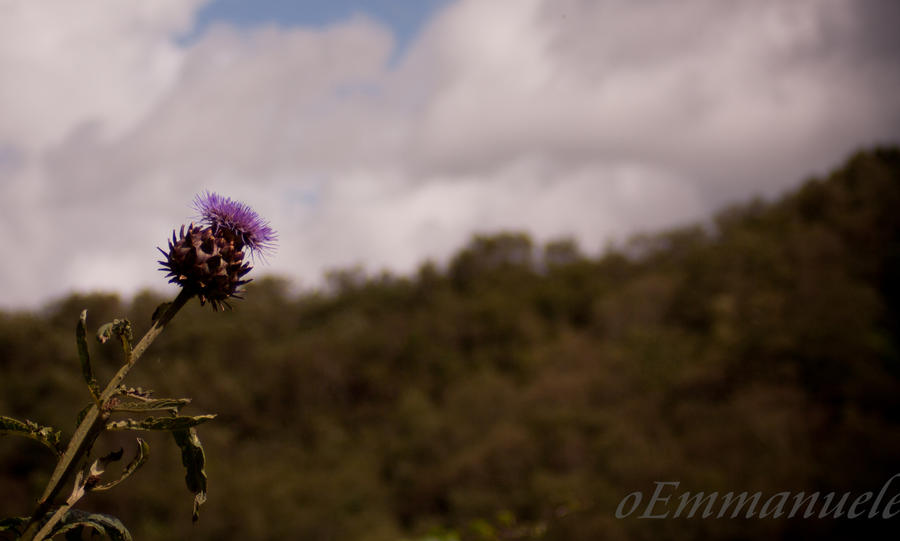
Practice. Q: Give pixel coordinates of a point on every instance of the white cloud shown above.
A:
(101, 62)
(706, 87)
(554, 116)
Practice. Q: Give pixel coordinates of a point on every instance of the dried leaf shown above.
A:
(29, 429)
(194, 460)
(159, 423)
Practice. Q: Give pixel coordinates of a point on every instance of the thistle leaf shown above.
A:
(181, 422)
(194, 460)
(121, 329)
(84, 356)
(143, 453)
(124, 332)
(135, 392)
(29, 429)
(92, 479)
(75, 521)
(173, 405)
(104, 332)
(86, 482)
(13, 524)
(101, 463)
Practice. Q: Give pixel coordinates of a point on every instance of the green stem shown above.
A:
(57, 516)
(95, 421)
(77, 493)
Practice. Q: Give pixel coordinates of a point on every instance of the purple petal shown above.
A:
(218, 211)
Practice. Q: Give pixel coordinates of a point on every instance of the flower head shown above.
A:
(252, 231)
(208, 260)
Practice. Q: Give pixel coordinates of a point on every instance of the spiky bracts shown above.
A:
(206, 263)
(208, 260)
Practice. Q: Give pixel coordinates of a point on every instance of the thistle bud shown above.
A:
(208, 260)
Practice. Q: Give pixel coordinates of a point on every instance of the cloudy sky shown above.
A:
(385, 132)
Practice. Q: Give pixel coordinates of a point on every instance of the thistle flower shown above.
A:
(208, 260)
(222, 212)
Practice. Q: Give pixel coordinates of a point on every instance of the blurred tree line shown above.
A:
(521, 391)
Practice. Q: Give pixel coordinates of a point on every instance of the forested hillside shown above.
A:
(520, 391)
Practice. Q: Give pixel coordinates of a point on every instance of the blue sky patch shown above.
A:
(405, 18)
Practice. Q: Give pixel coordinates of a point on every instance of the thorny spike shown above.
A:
(207, 262)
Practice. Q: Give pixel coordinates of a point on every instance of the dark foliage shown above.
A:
(759, 352)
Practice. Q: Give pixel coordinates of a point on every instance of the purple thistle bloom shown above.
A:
(219, 212)
(208, 260)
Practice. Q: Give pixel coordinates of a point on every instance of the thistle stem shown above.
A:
(94, 423)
